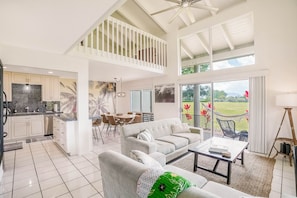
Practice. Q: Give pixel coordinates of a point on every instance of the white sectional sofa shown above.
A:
(120, 178)
(171, 138)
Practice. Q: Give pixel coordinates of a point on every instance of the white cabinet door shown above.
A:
(23, 78)
(64, 135)
(51, 88)
(20, 127)
(36, 125)
(26, 126)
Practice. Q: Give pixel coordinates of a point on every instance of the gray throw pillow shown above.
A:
(145, 135)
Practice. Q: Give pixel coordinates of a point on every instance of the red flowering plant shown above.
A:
(246, 95)
(205, 113)
(187, 108)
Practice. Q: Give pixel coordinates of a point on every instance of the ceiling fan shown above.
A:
(185, 5)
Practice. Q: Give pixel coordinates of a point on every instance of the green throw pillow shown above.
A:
(158, 183)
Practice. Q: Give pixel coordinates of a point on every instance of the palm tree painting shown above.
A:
(68, 91)
(102, 97)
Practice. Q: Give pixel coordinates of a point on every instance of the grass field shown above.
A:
(220, 108)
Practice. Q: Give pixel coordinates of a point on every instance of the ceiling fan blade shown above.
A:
(176, 14)
(199, 6)
(190, 15)
(174, 1)
(161, 11)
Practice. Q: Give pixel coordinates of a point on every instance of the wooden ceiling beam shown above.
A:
(226, 36)
(203, 43)
(186, 50)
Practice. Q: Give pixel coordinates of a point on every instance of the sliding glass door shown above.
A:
(203, 103)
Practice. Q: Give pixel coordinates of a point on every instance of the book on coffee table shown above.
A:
(216, 148)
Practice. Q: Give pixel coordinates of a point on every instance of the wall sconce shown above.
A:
(120, 93)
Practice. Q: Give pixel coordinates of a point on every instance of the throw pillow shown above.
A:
(145, 135)
(158, 183)
(180, 128)
(145, 159)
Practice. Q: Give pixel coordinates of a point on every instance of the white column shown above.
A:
(84, 128)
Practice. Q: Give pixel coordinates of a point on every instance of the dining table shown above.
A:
(124, 118)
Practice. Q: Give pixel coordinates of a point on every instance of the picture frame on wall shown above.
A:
(165, 93)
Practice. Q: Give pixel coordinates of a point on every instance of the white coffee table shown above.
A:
(236, 148)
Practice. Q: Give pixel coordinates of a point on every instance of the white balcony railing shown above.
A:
(117, 40)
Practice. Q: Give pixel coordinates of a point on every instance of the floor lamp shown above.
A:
(287, 101)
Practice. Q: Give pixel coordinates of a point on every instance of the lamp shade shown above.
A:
(286, 100)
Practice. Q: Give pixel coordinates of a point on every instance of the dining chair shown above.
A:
(96, 123)
(112, 122)
(105, 121)
(137, 119)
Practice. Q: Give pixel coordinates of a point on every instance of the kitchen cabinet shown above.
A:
(7, 128)
(7, 84)
(24, 78)
(27, 126)
(63, 135)
(51, 88)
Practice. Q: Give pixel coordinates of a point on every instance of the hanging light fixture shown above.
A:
(121, 93)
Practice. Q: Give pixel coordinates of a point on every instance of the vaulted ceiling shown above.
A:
(234, 34)
(55, 26)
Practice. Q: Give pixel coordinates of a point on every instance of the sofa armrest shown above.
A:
(119, 174)
(197, 130)
(141, 145)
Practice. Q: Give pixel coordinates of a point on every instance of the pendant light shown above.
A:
(121, 93)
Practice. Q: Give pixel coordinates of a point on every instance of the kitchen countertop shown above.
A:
(67, 116)
(33, 113)
(63, 116)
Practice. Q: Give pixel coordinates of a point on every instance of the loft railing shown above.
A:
(120, 41)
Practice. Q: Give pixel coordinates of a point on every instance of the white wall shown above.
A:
(275, 49)
(38, 59)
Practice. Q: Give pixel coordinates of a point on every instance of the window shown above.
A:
(234, 62)
(226, 45)
(141, 101)
(203, 103)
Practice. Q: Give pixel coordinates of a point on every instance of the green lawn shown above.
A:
(222, 108)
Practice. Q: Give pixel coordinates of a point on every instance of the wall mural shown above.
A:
(68, 95)
(102, 97)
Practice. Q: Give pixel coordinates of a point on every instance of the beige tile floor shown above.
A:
(41, 169)
(283, 181)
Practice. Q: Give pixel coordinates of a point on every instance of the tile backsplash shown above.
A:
(29, 96)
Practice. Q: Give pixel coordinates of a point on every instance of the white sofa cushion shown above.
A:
(164, 147)
(178, 142)
(145, 159)
(191, 137)
(180, 128)
(223, 191)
